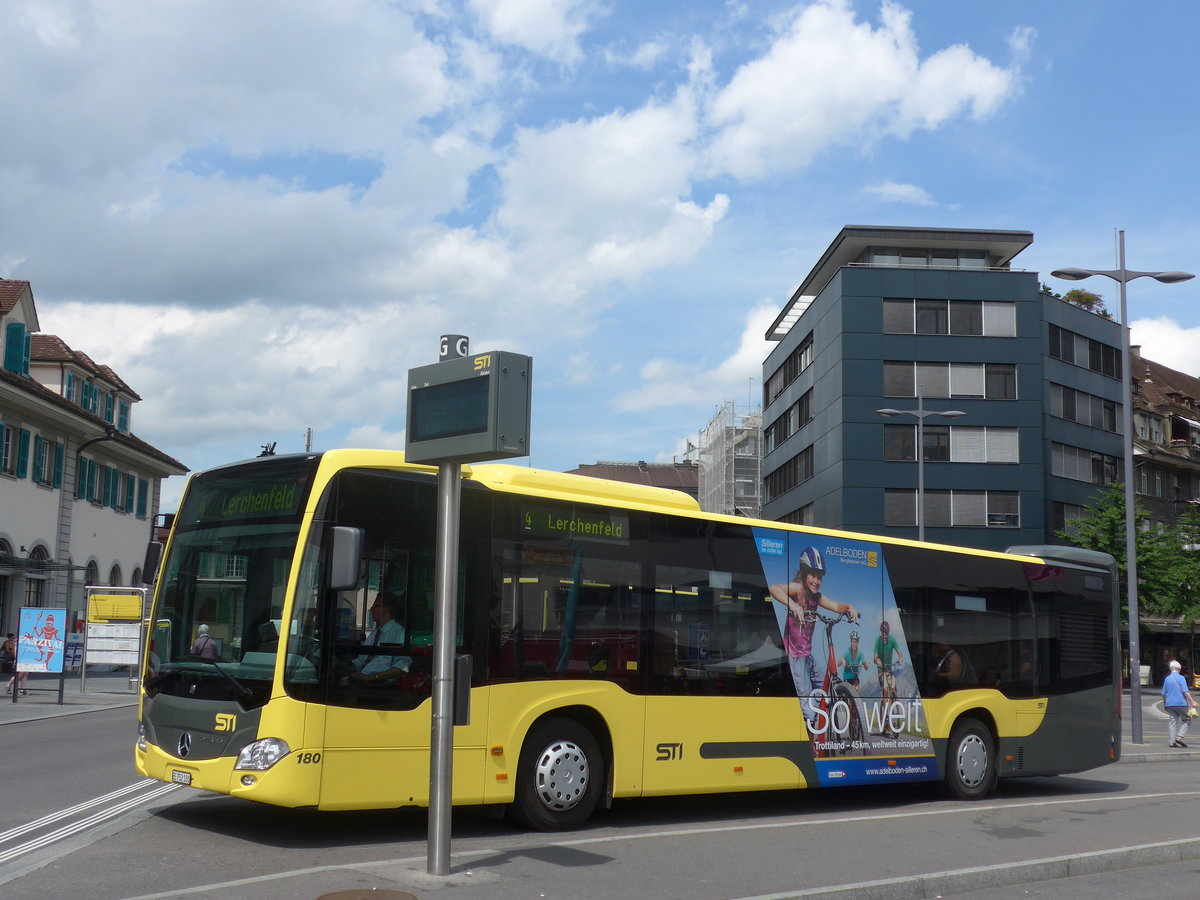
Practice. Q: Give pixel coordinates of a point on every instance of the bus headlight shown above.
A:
(261, 755)
(141, 738)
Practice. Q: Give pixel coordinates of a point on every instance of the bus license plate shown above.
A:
(181, 777)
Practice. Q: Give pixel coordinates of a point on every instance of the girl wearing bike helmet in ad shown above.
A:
(802, 596)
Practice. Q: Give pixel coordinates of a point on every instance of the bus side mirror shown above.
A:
(150, 563)
(345, 550)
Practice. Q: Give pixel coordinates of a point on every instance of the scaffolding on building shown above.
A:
(730, 462)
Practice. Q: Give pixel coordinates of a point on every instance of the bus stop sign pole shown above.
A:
(464, 408)
(441, 759)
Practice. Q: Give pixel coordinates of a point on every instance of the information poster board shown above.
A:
(41, 640)
(115, 643)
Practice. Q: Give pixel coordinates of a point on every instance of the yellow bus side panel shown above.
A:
(1013, 718)
(516, 707)
(743, 734)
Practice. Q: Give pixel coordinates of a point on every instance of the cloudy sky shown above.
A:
(262, 214)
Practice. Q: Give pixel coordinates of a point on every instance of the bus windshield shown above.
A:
(224, 579)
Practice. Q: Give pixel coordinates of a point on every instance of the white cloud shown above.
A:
(901, 193)
(829, 80)
(670, 383)
(549, 28)
(374, 437)
(1166, 341)
(261, 215)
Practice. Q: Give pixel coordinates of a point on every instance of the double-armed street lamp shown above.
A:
(1123, 276)
(920, 413)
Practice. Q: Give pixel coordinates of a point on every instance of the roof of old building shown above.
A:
(11, 293)
(32, 386)
(52, 348)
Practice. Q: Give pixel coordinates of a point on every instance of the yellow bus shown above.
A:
(620, 643)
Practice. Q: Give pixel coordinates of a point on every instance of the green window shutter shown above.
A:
(123, 416)
(110, 401)
(28, 353)
(143, 491)
(14, 347)
(81, 467)
(23, 453)
(59, 454)
(91, 481)
(39, 459)
(130, 481)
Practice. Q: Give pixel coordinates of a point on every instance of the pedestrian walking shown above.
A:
(1177, 700)
(8, 657)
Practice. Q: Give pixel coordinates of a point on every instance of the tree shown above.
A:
(1090, 301)
(1158, 558)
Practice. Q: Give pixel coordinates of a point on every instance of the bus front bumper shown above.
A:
(293, 781)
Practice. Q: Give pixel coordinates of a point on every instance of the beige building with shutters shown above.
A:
(79, 491)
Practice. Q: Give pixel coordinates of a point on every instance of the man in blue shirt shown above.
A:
(1176, 700)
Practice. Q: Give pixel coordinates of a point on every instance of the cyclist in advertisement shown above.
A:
(802, 596)
(885, 646)
(853, 661)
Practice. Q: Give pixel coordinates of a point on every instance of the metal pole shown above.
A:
(441, 756)
(1131, 576)
(920, 463)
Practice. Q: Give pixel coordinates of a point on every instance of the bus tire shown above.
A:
(559, 776)
(970, 761)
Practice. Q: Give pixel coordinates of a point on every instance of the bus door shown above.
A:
(718, 714)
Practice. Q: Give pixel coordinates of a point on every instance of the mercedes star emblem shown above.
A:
(185, 744)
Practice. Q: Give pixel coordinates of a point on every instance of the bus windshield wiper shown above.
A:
(242, 691)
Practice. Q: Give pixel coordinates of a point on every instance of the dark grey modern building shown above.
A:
(923, 319)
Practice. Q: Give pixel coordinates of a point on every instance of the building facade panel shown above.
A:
(975, 340)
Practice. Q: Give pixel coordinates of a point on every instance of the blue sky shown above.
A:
(262, 215)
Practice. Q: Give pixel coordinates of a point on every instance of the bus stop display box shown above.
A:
(472, 409)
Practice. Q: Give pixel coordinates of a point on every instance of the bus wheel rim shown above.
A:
(972, 761)
(562, 775)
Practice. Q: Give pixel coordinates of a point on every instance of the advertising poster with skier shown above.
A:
(848, 658)
(41, 640)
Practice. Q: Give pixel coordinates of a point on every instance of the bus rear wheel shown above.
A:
(970, 761)
(559, 776)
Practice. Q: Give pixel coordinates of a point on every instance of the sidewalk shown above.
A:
(109, 690)
(103, 689)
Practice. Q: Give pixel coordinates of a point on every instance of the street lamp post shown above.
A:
(920, 413)
(1123, 276)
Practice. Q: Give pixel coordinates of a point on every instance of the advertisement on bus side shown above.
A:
(848, 658)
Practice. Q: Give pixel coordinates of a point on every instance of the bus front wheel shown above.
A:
(970, 761)
(559, 776)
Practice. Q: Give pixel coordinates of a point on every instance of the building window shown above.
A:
(802, 516)
(1084, 352)
(964, 381)
(7, 455)
(1064, 515)
(1079, 464)
(953, 509)
(984, 318)
(952, 443)
(1087, 409)
(795, 471)
(797, 361)
(792, 420)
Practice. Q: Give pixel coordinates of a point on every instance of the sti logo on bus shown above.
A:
(225, 722)
(669, 752)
